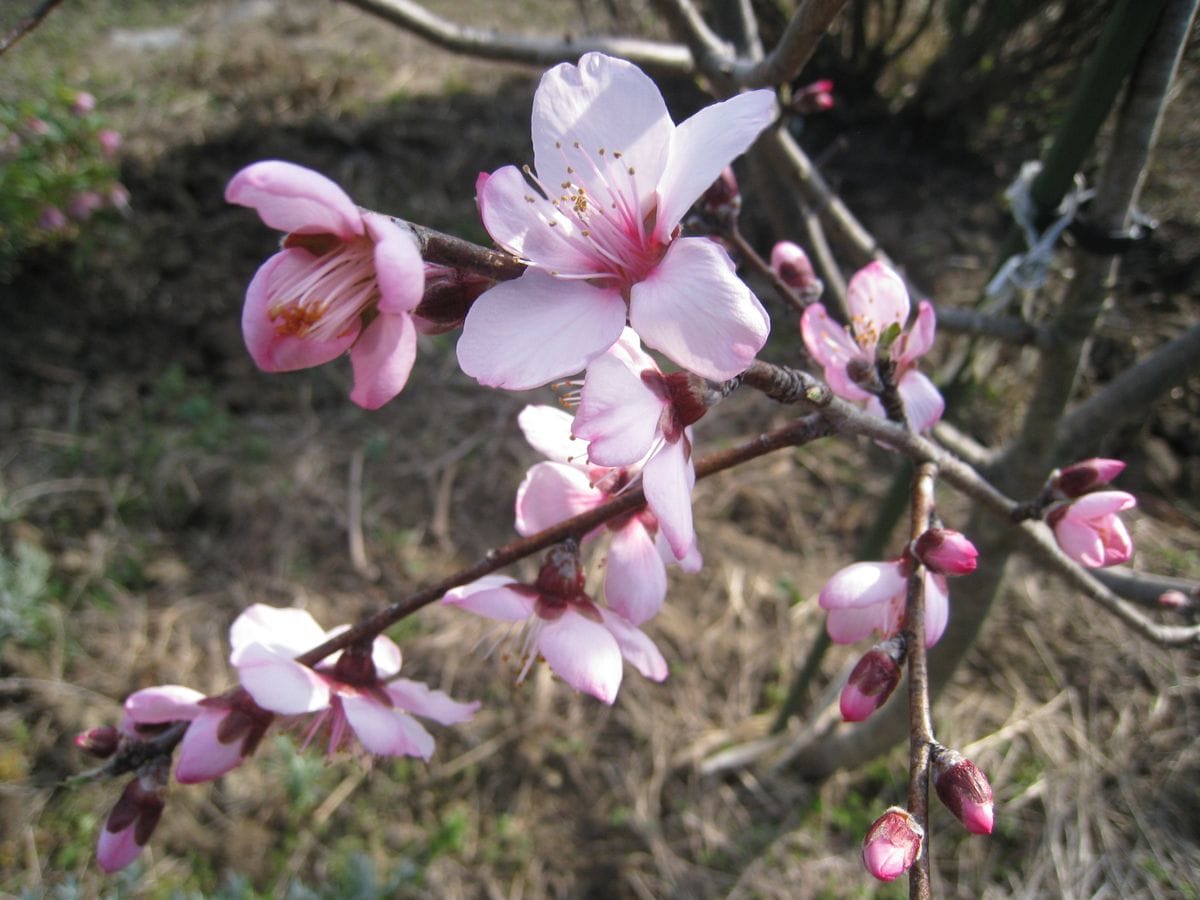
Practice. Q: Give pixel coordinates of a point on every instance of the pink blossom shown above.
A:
(83, 103)
(1079, 478)
(867, 598)
(632, 414)
(347, 279)
(82, 205)
(791, 264)
(1089, 531)
(878, 303)
(892, 844)
(598, 230)
(946, 552)
(110, 142)
(118, 196)
(52, 219)
(635, 577)
(133, 817)
(582, 641)
(355, 690)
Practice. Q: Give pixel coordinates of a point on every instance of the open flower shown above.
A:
(346, 279)
(353, 691)
(867, 598)
(598, 230)
(1089, 530)
(582, 641)
(878, 304)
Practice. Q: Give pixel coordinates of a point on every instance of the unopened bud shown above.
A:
(1079, 478)
(1174, 599)
(963, 789)
(793, 267)
(873, 680)
(946, 552)
(892, 844)
(723, 198)
(101, 742)
(815, 97)
(133, 818)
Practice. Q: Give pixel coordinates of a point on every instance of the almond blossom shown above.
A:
(1089, 530)
(345, 280)
(354, 691)
(867, 598)
(583, 642)
(879, 306)
(596, 223)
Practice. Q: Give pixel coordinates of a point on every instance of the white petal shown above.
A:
(923, 403)
(584, 654)
(422, 700)
(279, 684)
(386, 731)
(667, 482)
(635, 579)
(551, 493)
(618, 413)
(548, 431)
(495, 600)
(635, 646)
(863, 584)
(291, 631)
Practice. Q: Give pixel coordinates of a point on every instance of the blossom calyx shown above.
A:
(963, 788)
(873, 679)
(133, 817)
(892, 844)
(1082, 477)
(946, 552)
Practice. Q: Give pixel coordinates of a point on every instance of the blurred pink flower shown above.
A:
(598, 229)
(1089, 530)
(346, 279)
(352, 691)
(582, 641)
(82, 205)
(110, 142)
(878, 303)
(867, 598)
(815, 97)
(83, 103)
(52, 219)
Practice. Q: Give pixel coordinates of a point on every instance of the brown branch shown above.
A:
(749, 255)
(795, 48)
(27, 24)
(487, 43)
(714, 57)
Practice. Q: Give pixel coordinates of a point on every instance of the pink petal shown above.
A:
(603, 104)
(278, 684)
(294, 199)
(164, 703)
(418, 698)
(288, 630)
(852, 624)
(547, 429)
(491, 597)
(667, 480)
(1080, 541)
(550, 493)
(828, 342)
(923, 403)
(863, 584)
(270, 350)
(399, 268)
(202, 755)
(691, 562)
(386, 731)
(1117, 545)
(635, 579)
(114, 851)
(876, 298)
(937, 607)
(517, 217)
(636, 647)
(528, 332)
(704, 145)
(386, 656)
(618, 413)
(917, 341)
(694, 308)
(584, 654)
(382, 358)
(1099, 504)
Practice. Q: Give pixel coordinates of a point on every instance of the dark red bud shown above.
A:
(355, 666)
(447, 299)
(873, 680)
(964, 790)
(101, 742)
(723, 197)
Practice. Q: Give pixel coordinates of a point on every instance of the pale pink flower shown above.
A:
(1089, 530)
(109, 141)
(352, 691)
(83, 103)
(347, 279)
(867, 598)
(598, 230)
(877, 302)
(631, 413)
(583, 642)
(635, 576)
(892, 844)
(82, 205)
(52, 219)
(133, 817)
(224, 730)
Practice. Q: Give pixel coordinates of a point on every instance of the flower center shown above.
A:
(325, 299)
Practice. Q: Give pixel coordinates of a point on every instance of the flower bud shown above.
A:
(793, 267)
(723, 198)
(1174, 599)
(873, 679)
(815, 97)
(892, 844)
(133, 818)
(963, 789)
(101, 742)
(946, 552)
(1078, 478)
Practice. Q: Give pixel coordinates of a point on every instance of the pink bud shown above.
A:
(873, 680)
(37, 126)
(1174, 599)
(946, 552)
(892, 844)
(963, 789)
(815, 97)
(101, 742)
(52, 219)
(723, 197)
(110, 142)
(83, 104)
(1078, 478)
(792, 266)
(133, 818)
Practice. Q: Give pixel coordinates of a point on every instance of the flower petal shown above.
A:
(694, 308)
(923, 403)
(618, 412)
(877, 299)
(279, 684)
(863, 584)
(116, 850)
(163, 703)
(852, 624)
(202, 755)
(635, 579)
(937, 607)
(294, 199)
(418, 698)
(1080, 541)
(528, 332)
(271, 350)
(550, 493)
(547, 429)
(491, 596)
(386, 731)
(385, 654)
(704, 145)
(382, 359)
(826, 340)
(583, 653)
(636, 646)
(1099, 504)
(667, 481)
(399, 268)
(917, 341)
(289, 630)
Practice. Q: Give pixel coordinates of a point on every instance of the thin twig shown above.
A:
(27, 24)
(763, 268)
(713, 56)
(795, 48)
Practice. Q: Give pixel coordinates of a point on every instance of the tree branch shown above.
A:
(795, 48)
(27, 24)
(713, 56)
